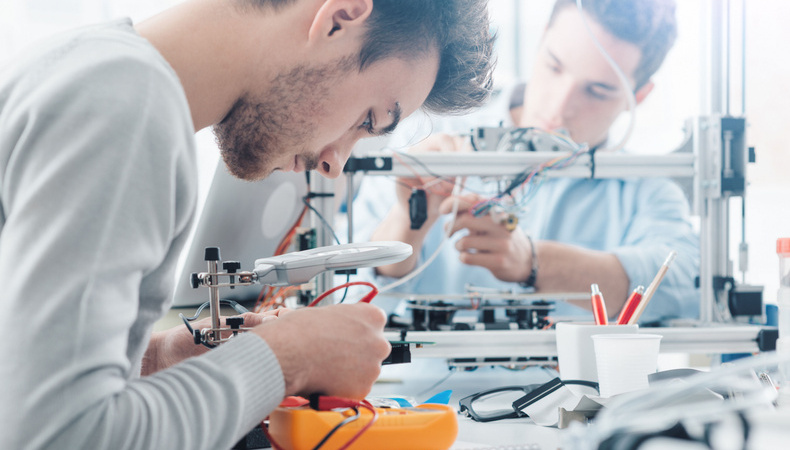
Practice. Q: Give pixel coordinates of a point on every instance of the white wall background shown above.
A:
(520, 24)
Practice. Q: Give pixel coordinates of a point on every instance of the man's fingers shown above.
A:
(465, 202)
(483, 225)
(480, 243)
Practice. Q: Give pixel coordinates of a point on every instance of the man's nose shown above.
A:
(561, 105)
(333, 157)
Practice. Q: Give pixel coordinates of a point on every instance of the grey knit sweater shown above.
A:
(97, 194)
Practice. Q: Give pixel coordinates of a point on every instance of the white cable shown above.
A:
(445, 238)
(629, 91)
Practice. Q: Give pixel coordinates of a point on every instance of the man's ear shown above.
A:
(336, 17)
(641, 94)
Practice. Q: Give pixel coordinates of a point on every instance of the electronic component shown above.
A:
(745, 300)
(508, 139)
(418, 208)
(518, 314)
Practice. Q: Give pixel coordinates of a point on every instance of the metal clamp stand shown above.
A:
(211, 337)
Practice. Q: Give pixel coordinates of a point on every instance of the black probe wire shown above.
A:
(345, 422)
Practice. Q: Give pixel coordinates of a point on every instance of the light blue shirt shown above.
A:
(638, 220)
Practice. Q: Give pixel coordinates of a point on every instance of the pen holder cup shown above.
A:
(575, 351)
(624, 361)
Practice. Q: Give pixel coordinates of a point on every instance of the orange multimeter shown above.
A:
(430, 426)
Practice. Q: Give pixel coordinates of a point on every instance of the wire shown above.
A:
(365, 404)
(445, 238)
(366, 299)
(232, 303)
(630, 97)
(398, 154)
(265, 430)
(265, 295)
(321, 218)
(281, 295)
(329, 228)
(529, 181)
(452, 370)
(340, 425)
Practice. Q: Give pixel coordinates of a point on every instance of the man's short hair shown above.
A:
(649, 24)
(458, 29)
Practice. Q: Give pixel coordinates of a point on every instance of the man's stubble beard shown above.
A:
(257, 132)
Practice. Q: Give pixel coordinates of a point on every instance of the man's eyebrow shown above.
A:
(605, 86)
(554, 57)
(396, 115)
(597, 84)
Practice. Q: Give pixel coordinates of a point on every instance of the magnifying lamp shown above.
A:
(299, 267)
(285, 270)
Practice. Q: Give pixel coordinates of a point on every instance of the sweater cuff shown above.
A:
(256, 367)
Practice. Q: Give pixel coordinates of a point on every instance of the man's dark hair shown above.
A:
(648, 24)
(458, 29)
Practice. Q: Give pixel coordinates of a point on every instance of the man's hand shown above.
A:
(435, 189)
(507, 254)
(172, 346)
(396, 226)
(333, 350)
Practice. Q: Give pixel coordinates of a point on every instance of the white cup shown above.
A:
(624, 361)
(575, 351)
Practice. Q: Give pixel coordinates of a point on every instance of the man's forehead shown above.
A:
(569, 41)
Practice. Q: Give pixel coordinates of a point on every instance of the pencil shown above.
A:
(651, 289)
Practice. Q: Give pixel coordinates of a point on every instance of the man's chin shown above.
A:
(246, 172)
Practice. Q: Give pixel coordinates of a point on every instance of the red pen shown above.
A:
(630, 305)
(598, 306)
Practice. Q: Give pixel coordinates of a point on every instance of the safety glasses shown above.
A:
(508, 402)
(495, 404)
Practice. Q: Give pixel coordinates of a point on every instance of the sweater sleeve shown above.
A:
(95, 161)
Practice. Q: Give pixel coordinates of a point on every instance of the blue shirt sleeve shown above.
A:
(659, 225)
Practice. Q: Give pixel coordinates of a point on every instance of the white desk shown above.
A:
(508, 433)
(418, 381)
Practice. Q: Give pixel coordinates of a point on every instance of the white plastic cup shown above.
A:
(624, 361)
(575, 351)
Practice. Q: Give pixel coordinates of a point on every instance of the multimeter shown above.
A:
(428, 426)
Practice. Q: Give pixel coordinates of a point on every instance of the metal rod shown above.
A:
(743, 57)
(324, 236)
(349, 205)
(711, 88)
(607, 165)
(727, 61)
(532, 343)
(213, 299)
(516, 39)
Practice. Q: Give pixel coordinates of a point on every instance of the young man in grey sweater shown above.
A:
(98, 191)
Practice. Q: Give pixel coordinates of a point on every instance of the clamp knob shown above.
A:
(197, 337)
(234, 322)
(231, 266)
(194, 280)
(211, 254)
